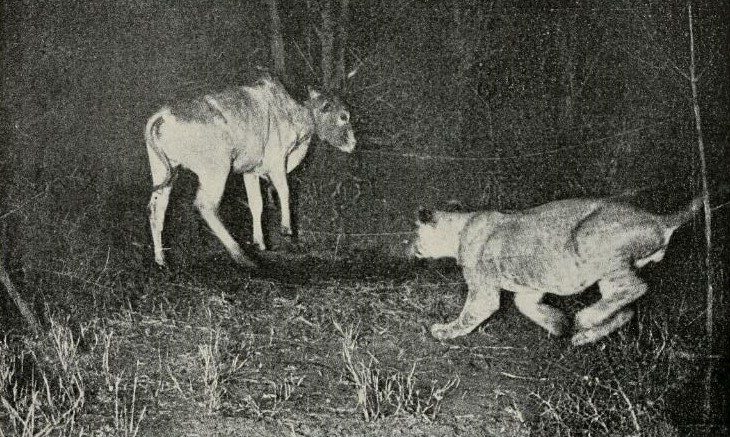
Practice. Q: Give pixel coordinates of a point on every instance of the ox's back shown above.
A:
(236, 126)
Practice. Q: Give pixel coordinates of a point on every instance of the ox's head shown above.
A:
(331, 120)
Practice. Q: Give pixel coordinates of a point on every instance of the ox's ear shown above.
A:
(425, 216)
(313, 94)
(352, 72)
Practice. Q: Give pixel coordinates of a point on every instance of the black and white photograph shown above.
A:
(313, 218)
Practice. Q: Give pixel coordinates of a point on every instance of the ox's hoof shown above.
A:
(244, 261)
(160, 260)
(286, 230)
(443, 331)
(259, 243)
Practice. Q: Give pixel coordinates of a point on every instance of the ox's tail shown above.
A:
(673, 221)
(151, 132)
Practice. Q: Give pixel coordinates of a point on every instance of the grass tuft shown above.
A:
(384, 393)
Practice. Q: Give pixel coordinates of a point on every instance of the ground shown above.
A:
(315, 344)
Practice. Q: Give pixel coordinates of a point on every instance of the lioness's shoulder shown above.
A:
(476, 232)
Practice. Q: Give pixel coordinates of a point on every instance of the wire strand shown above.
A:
(512, 157)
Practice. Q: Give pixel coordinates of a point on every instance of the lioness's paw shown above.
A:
(588, 318)
(586, 336)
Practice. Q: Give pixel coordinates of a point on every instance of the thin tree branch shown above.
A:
(24, 308)
(709, 313)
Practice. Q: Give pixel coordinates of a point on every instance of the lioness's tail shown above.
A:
(159, 179)
(673, 221)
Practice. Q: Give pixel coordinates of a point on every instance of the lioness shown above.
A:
(561, 247)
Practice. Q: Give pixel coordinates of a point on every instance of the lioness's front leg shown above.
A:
(482, 301)
(550, 318)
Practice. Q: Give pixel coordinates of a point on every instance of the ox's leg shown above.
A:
(256, 205)
(278, 179)
(482, 301)
(207, 200)
(550, 318)
(157, 207)
(158, 203)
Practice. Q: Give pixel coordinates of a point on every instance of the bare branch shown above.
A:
(25, 309)
(709, 321)
(650, 35)
(304, 58)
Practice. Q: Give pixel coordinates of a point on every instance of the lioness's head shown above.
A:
(437, 233)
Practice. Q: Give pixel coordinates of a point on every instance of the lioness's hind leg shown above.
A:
(550, 318)
(592, 334)
(617, 291)
(482, 301)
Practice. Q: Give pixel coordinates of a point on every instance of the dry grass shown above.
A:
(192, 348)
(623, 385)
(383, 393)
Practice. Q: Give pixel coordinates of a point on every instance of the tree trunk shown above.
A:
(327, 39)
(463, 54)
(569, 54)
(342, 43)
(709, 265)
(277, 41)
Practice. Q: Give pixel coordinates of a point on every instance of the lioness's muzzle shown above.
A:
(413, 251)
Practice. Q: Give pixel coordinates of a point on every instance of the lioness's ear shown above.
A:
(454, 205)
(425, 215)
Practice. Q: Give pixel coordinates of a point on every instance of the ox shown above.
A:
(258, 130)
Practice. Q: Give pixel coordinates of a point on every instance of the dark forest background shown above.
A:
(519, 105)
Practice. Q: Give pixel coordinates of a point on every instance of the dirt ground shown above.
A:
(314, 345)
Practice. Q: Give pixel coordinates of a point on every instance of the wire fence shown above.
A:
(512, 157)
(345, 234)
(390, 154)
